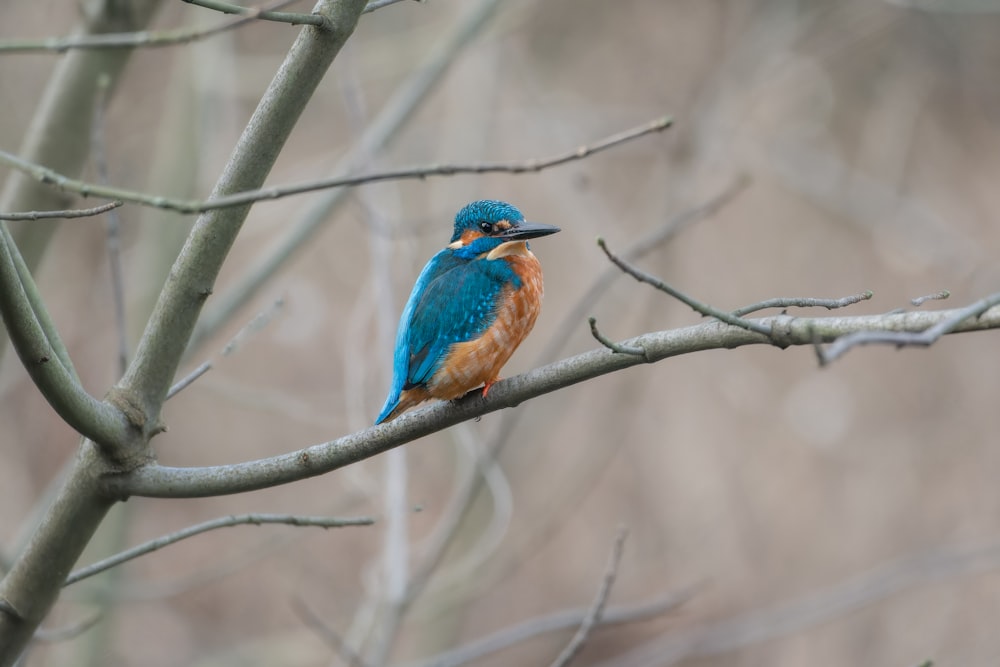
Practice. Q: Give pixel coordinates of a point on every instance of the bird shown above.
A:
(472, 305)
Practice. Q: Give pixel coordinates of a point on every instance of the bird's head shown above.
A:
(486, 224)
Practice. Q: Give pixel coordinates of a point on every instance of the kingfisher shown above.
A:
(472, 305)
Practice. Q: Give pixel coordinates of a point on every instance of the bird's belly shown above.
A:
(472, 363)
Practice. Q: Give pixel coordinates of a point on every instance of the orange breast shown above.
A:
(475, 362)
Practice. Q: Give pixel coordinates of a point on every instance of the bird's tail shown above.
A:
(399, 402)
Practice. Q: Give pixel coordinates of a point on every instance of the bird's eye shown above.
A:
(486, 227)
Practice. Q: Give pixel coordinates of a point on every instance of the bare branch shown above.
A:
(593, 617)
(696, 305)
(292, 18)
(149, 38)
(379, 4)
(253, 326)
(922, 338)
(44, 357)
(128, 40)
(66, 213)
(929, 567)
(559, 621)
(611, 345)
(937, 296)
(804, 302)
(113, 235)
(245, 197)
(67, 632)
(188, 380)
(327, 634)
(204, 527)
(160, 481)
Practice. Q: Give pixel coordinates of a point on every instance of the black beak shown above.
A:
(528, 230)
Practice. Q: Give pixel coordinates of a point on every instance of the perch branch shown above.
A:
(160, 481)
(923, 338)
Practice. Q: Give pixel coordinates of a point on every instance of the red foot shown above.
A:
(486, 387)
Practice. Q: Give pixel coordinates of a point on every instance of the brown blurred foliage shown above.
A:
(871, 133)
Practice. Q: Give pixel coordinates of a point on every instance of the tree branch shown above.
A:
(563, 620)
(127, 40)
(148, 38)
(193, 275)
(204, 527)
(166, 482)
(65, 213)
(250, 193)
(923, 338)
(293, 18)
(44, 356)
(804, 302)
(695, 305)
(596, 611)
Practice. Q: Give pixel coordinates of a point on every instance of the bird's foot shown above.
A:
(489, 383)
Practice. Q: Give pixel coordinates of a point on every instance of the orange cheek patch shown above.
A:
(470, 235)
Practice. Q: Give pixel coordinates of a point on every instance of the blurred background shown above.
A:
(843, 515)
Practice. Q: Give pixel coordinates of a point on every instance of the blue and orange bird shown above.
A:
(470, 308)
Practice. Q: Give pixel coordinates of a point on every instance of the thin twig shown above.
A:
(326, 633)
(610, 344)
(67, 632)
(696, 305)
(113, 235)
(642, 247)
(259, 321)
(51, 177)
(293, 18)
(803, 302)
(214, 524)
(129, 40)
(593, 617)
(66, 213)
(379, 4)
(557, 622)
(902, 338)
(188, 380)
(937, 296)
(793, 617)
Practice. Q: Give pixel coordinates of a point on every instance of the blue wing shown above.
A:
(453, 300)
